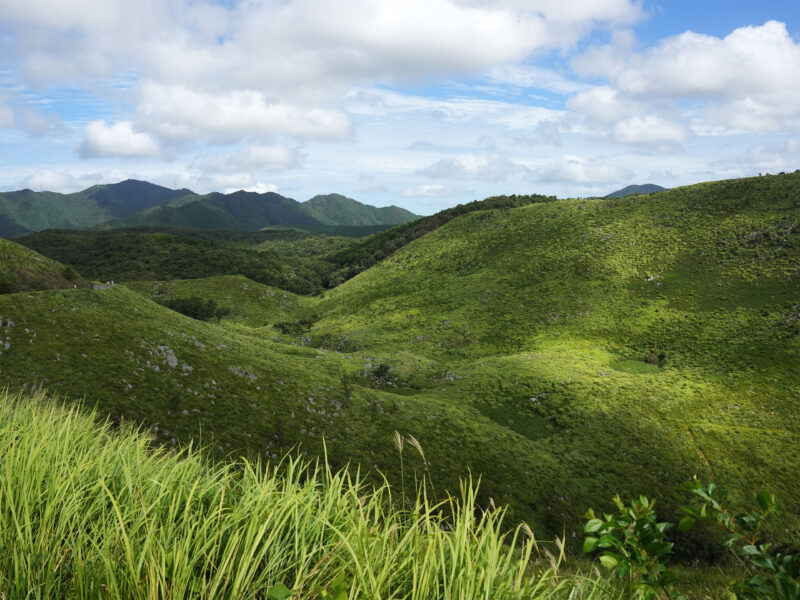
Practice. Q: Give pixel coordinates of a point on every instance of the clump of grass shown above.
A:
(89, 512)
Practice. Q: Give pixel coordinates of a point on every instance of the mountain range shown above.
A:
(137, 203)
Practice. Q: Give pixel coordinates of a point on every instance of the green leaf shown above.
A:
(659, 548)
(624, 568)
(589, 544)
(278, 592)
(685, 524)
(608, 561)
(765, 500)
(592, 525)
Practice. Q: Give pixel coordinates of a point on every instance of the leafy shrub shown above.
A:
(69, 273)
(635, 548)
(197, 308)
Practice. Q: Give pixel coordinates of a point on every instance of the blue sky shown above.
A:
(423, 104)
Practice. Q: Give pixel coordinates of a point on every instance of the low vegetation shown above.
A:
(91, 512)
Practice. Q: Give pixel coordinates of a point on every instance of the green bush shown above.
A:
(197, 308)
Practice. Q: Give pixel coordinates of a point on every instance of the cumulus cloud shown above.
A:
(224, 72)
(576, 169)
(179, 113)
(748, 81)
(119, 139)
(482, 167)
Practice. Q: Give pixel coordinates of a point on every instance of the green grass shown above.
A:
(91, 512)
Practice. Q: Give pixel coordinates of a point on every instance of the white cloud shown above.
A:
(50, 180)
(258, 187)
(576, 169)
(119, 139)
(432, 190)
(179, 113)
(650, 129)
(748, 81)
(218, 72)
(483, 167)
(276, 157)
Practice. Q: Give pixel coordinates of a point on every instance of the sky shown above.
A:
(423, 104)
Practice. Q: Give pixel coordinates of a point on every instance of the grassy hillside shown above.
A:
(635, 342)
(250, 303)
(23, 270)
(563, 350)
(341, 210)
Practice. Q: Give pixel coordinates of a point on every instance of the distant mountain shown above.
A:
(341, 210)
(647, 188)
(134, 203)
(25, 211)
(250, 211)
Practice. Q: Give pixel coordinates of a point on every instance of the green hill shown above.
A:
(25, 210)
(647, 188)
(563, 350)
(340, 210)
(23, 270)
(196, 214)
(157, 253)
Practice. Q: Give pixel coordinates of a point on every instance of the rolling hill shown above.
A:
(563, 350)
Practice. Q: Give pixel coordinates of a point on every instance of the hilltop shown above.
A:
(647, 188)
(564, 350)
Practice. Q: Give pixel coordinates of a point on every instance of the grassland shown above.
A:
(562, 350)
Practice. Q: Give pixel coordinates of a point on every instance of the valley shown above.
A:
(562, 351)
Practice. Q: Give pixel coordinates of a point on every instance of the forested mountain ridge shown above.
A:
(139, 203)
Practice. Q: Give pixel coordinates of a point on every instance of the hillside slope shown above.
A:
(638, 341)
(23, 270)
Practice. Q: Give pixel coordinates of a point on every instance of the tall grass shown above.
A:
(87, 512)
